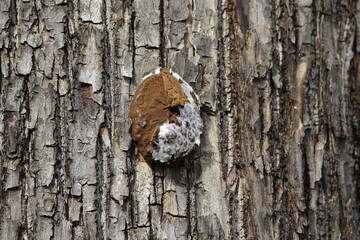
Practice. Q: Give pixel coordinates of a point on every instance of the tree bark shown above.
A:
(280, 92)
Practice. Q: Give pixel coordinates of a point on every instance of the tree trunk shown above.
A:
(280, 92)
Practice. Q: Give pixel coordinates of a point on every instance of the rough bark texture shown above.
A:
(279, 84)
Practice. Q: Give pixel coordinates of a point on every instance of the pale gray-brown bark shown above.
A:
(279, 84)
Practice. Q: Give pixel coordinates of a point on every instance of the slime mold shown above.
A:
(165, 114)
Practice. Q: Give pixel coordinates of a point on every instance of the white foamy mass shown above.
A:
(178, 140)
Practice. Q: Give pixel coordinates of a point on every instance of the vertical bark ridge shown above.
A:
(163, 61)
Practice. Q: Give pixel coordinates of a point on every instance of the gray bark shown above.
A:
(279, 84)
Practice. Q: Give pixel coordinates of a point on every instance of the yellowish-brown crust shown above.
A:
(151, 106)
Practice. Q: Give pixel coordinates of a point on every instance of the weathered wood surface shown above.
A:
(279, 84)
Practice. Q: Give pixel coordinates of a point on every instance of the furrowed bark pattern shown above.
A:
(278, 82)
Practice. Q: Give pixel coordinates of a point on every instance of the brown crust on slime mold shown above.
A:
(153, 103)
